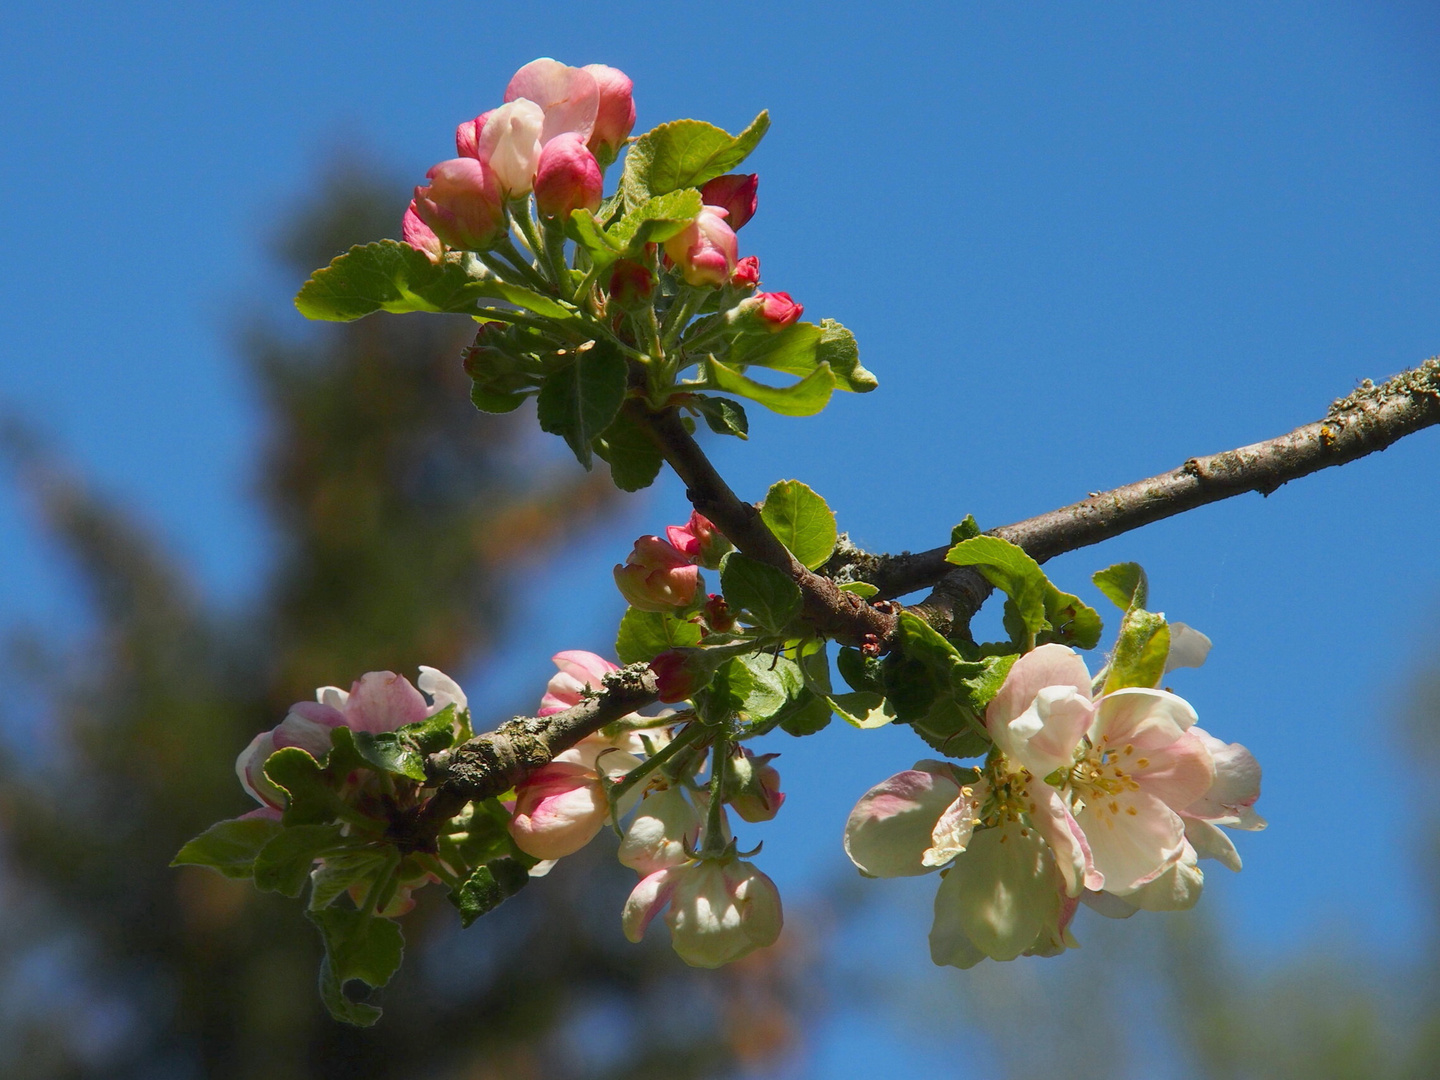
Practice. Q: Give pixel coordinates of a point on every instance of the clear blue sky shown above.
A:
(1077, 247)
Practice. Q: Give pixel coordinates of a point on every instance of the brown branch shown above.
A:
(1368, 420)
(834, 613)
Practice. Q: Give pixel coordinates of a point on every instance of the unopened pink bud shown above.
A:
(754, 787)
(616, 116)
(509, 142)
(706, 251)
(718, 614)
(558, 810)
(467, 136)
(736, 193)
(699, 540)
(579, 671)
(772, 311)
(630, 284)
(419, 235)
(747, 273)
(567, 177)
(677, 675)
(462, 204)
(657, 577)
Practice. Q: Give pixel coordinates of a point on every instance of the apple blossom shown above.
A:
(510, 144)
(771, 311)
(567, 177)
(753, 786)
(734, 193)
(657, 577)
(631, 284)
(665, 831)
(706, 250)
(462, 204)
(579, 671)
(747, 273)
(718, 909)
(568, 97)
(699, 540)
(615, 117)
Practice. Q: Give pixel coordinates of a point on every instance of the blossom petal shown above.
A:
(383, 701)
(1053, 820)
(952, 832)
(1001, 891)
(1210, 842)
(1049, 665)
(892, 825)
(647, 898)
(1237, 785)
(1043, 738)
(570, 96)
(1108, 904)
(1188, 647)
(1177, 889)
(442, 689)
(1177, 774)
(1133, 837)
(558, 810)
(1146, 719)
(666, 824)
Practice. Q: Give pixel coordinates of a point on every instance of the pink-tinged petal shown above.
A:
(1177, 774)
(383, 701)
(1142, 718)
(558, 810)
(332, 696)
(1236, 787)
(1049, 665)
(467, 136)
(509, 144)
(892, 825)
(616, 116)
(1054, 822)
(1210, 842)
(1176, 889)
(442, 690)
(647, 899)
(585, 667)
(250, 766)
(1108, 904)
(1044, 736)
(1055, 938)
(666, 825)
(420, 236)
(1133, 837)
(1188, 647)
(570, 97)
(722, 911)
(266, 813)
(957, 824)
(1001, 891)
(308, 725)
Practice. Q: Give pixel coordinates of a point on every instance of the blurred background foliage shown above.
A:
(402, 516)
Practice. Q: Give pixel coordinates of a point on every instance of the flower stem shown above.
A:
(714, 841)
(689, 735)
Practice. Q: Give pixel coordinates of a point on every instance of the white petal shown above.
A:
(1146, 719)
(1001, 890)
(955, 827)
(1177, 889)
(1133, 837)
(442, 689)
(1049, 665)
(1188, 647)
(1108, 904)
(1043, 737)
(1210, 842)
(893, 824)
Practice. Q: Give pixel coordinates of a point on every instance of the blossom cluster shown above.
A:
(1108, 800)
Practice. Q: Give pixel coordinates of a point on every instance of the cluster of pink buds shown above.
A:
(558, 129)
(663, 573)
(1110, 801)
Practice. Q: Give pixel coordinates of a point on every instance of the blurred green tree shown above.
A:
(401, 515)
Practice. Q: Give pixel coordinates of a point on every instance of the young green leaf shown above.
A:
(387, 276)
(1140, 651)
(579, 401)
(644, 635)
(1124, 584)
(284, 864)
(806, 714)
(229, 846)
(312, 799)
(390, 752)
(339, 872)
(804, 398)
(357, 946)
(801, 520)
(863, 709)
(723, 416)
(767, 594)
(684, 154)
(837, 348)
(488, 887)
(632, 455)
(1010, 570)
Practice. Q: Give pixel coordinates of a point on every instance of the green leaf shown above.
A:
(805, 715)
(1124, 584)
(311, 798)
(284, 864)
(339, 872)
(229, 846)
(804, 398)
(1069, 619)
(800, 349)
(775, 680)
(357, 946)
(434, 733)
(495, 401)
(481, 835)
(976, 691)
(386, 276)
(1140, 651)
(1010, 570)
(724, 417)
(768, 594)
(652, 221)
(633, 457)
(644, 635)
(580, 400)
(390, 752)
(684, 154)
(863, 709)
(860, 671)
(862, 589)
(838, 348)
(489, 887)
(951, 729)
(966, 530)
(801, 520)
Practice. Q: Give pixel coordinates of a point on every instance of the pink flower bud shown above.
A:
(706, 251)
(656, 577)
(699, 540)
(754, 787)
(558, 810)
(630, 284)
(616, 115)
(419, 235)
(579, 671)
(773, 311)
(510, 142)
(567, 177)
(462, 204)
(718, 614)
(568, 96)
(677, 675)
(747, 273)
(736, 193)
(467, 136)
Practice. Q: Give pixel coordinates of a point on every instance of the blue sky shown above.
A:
(1076, 246)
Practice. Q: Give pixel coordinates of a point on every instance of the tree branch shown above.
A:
(1368, 420)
